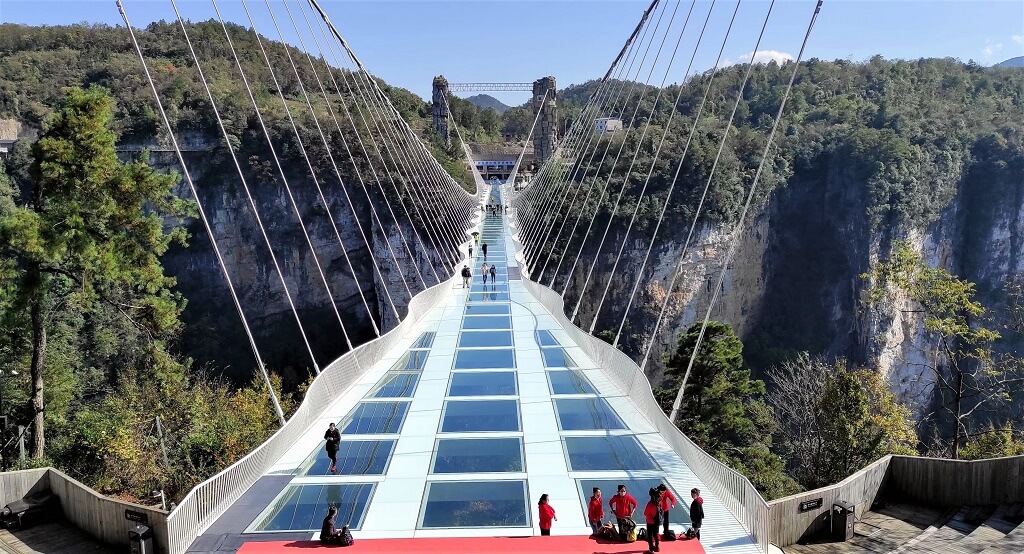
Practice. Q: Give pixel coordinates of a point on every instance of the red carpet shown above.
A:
(482, 545)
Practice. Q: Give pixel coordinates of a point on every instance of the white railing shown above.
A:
(735, 490)
(211, 498)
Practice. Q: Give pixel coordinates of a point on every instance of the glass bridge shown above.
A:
(487, 405)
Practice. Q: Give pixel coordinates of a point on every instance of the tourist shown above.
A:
(471, 251)
(466, 274)
(484, 272)
(653, 515)
(547, 513)
(696, 512)
(494, 274)
(668, 501)
(483, 249)
(333, 438)
(622, 504)
(329, 534)
(595, 513)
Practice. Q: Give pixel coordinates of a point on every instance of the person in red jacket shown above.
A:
(622, 504)
(596, 512)
(653, 515)
(668, 501)
(547, 513)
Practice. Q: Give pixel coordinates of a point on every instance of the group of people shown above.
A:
(495, 209)
(485, 270)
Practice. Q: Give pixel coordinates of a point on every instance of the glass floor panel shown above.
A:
(376, 418)
(487, 309)
(571, 381)
(480, 287)
(426, 340)
(480, 415)
(413, 359)
(485, 338)
(556, 357)
(486, 322)
(545, 338)
(304, 507)
(488, 296)
(354, 458)
(638, 487)
(491, 358)
(579, 414)
(608, 453)
(475, 504)
(478, 455)
(483, 383)
(396, 384)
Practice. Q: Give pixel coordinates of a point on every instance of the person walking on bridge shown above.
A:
(466, 274)
(471, 251)
(494, 274)
(484, 272)
(333, 438)
(483, 248)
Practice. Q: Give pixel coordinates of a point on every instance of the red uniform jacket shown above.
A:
(547, 513)
(668, 500)
(622, 506)
(651, 514)
(596, 512)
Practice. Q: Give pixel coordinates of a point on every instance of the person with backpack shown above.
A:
(546, 514)
(696, 512)
(466, 274)
(623, 504)
(668, 501)
(494, 274)
(329, 534)
(653, 516)
(595, 512)
(333, 438)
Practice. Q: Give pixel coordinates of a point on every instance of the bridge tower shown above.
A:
(439, 97)
(546, 133)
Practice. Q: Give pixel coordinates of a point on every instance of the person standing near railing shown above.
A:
(333, 438)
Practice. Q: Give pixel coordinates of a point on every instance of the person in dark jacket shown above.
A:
(668, 501)
(696, 511)
(329, 534)
(494, 275)
(333, 438)
(653, 515)
(483, 250)
(622, 504)
(466, 274)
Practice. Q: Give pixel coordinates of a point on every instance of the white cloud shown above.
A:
(1019, 39)
(761, 56)
(991, 47)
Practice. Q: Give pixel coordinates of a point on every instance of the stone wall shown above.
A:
(546, 133)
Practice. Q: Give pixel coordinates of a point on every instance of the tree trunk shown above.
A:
(38, 361)
(958, 419)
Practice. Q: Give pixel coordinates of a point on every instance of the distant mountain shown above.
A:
(488, 101)
(1012, 62)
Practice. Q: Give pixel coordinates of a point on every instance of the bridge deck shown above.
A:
(487, 406)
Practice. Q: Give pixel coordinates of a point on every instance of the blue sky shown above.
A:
(407, 43)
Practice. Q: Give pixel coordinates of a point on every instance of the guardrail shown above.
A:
(735, 490)
(100, 516)
(211, 498)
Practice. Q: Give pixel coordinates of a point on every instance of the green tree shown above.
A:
(966, 379)
(993, 443)
(90, 232)
(723, 409)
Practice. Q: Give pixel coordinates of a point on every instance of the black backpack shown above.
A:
(669, 535)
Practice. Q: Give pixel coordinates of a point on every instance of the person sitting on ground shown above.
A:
(329, 534)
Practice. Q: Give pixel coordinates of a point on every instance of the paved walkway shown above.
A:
(487, 406)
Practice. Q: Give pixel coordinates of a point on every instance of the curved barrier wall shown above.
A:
(735, 490)
(211, 498)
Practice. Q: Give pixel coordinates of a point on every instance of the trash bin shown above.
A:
(842, 520)
(140, 538)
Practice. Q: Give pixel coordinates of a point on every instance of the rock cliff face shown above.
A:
(795, 282)
(214, 334)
